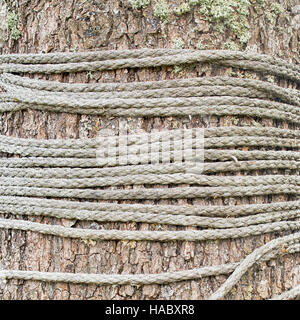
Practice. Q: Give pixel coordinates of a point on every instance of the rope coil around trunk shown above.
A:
(138, 279)
(69, 168)
(243, 60)
(219, 142)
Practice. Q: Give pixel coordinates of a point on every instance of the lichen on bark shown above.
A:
(12, 25)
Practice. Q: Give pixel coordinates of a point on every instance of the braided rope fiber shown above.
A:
(195, 210)
(249, 261)
(213, 132)
(67, 172)
(218, 142)
(137, 279)
(151, 194)
(162, 218)
(86, 169)
(243, 60)
(191, 235)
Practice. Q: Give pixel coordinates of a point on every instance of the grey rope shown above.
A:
(218, 142)
(142, 87)
(221, 86)
(71, 57)
(137, 279)
(89, 99)
(214, 86)
(248, 61)
(152, 106)
(141, 235)
(176, 134)
(61, 102)
(112, 279)
(288, 295)
(214, 155)
(138, 179)
(250, 260)
(67, 172)
(170, 219)
(218, 110)
(71, 166)
(209, 154)
(195, 210)
(152, 194)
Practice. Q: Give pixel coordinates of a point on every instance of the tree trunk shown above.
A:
(85, 25)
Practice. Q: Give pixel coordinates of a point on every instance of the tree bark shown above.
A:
(61, 26)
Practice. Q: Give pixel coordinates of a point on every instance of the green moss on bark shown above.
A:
(12, 20)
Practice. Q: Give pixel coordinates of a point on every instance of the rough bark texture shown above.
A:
(50, 26)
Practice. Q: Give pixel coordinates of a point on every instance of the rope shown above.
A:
(249, 261)
(212, 155)
(70, 168)
(112, 89)
(218, 110)
(137, 279)
(107, 279)
(146, 95)
(195, 210)
(289, 295)
(155, 137)
(218, 142)
(176, 178)
(243, 60)
(89, 99)
(152, 106)
(152, 194)
(71, 57)
(115, 216)
(214, 86)
(191, 235)
(68, 173)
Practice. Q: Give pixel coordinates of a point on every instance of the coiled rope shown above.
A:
(70, 168)
(194, 96)
(57, 63)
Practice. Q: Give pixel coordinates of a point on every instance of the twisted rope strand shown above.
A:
(68, 57)
(195, 210)
(241, 60)
(170, 219)
(210, 155)
(198, 109)
(218, 142)
(212, 132)
(191, 235)
(137, 279)
(249, 261)
(151, 194)
(83, 103)
(214, 155)
(88, 99)
(113, 88)
(197, 87)
(69, 173)
(288, 295)
(114, 279)
(138, 179)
